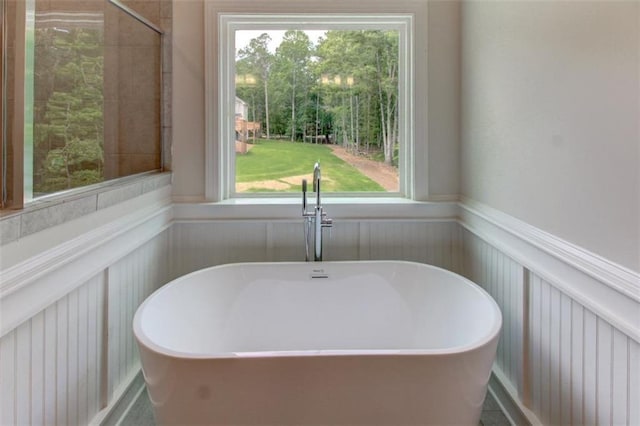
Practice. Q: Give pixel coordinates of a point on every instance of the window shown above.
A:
(339, 95)
(83, 96)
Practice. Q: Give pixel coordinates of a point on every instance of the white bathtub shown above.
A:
(368, 343)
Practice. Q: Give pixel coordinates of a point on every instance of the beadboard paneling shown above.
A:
(634, 382)
(435, 243)
(564, 354)
(53, 366)
(341, 242)
(198, 244)
(130, 281)
(581, 366)
(503, 279)
(50, 365)
(568, 364)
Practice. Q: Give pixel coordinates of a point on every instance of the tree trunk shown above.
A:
(266, 107)
(293, 107)
(357, 124)
(351, 129)
(368, 125)
(317, 126)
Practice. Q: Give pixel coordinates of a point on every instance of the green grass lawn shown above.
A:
(278, 160)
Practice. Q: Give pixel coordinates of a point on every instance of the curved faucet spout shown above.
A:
(317, 175)
(318, 216)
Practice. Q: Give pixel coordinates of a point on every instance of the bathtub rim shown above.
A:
(145, 341)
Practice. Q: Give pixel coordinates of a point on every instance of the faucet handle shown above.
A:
(304, 196)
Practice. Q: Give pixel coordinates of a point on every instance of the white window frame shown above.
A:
(223, 18)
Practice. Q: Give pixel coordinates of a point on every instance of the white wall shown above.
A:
(443, 97)
(443, 100)
(188, 99)
(551, 105)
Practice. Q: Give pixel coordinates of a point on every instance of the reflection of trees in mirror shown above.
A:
(68, 114)
(344, 90)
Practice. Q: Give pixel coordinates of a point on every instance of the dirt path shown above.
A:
(386, 176)
(283, 184)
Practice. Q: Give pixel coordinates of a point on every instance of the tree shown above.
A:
(292, 64)
(69, 118)
(346, 85)
(387, 71)
(259, 60)
(361, 69)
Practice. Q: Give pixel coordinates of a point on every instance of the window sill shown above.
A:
(340, 208)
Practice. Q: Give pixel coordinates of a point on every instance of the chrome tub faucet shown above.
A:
(316, 219)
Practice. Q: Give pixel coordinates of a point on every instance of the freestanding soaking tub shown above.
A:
(348, 343)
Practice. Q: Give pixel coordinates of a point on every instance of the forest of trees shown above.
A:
(343, 90)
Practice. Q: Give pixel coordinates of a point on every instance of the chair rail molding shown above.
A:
(610, 290)
(44, 276)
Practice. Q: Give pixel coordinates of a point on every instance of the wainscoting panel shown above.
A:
(50, 365)
(285, 241)
(130, 281)
(503, 279)
(199, 244)
(70, 362)
(568, 354)
(560, 357)
(435, 243)
(581, 367)
(341, 242)
(634, 384)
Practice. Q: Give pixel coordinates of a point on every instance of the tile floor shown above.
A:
(142, 415)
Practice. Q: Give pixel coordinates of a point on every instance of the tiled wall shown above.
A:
(45, 214)
(133, 90)
(160, 13)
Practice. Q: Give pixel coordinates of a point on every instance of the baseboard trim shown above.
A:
(136, 398)
(509, 403)
(120, 405)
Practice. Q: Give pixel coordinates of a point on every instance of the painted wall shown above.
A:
(188, 99)
(551, 106)
(443, 100)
